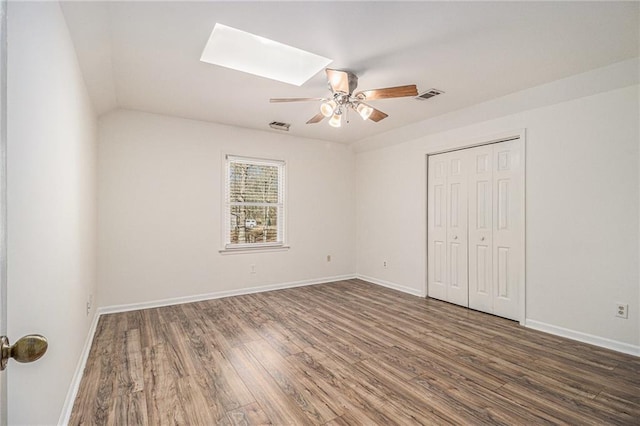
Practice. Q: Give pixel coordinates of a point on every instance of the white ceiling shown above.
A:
(146, 55)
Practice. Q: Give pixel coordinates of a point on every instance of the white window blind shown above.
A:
(254, 202)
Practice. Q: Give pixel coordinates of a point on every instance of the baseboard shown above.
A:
(391, 285)
(218, 295)
(584, 337)
(65, 415)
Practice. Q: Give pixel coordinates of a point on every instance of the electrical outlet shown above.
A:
(328, 258)
(253, 269)
(622, 310)
(384, 264)
(89, 303)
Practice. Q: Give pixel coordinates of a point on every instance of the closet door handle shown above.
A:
(481, 238)
(455, 237)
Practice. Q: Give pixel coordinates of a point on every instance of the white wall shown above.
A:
(160, 182)
(159, 204)
(582, 195)
(52, 207)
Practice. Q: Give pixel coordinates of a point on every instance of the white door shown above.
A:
(437, 228)
(456, 256)
(3, 199)
(508, 226)
(32, 347)
(476, 228)
(447, 229)
(481, 229)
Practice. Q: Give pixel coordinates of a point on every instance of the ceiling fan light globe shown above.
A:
(365, 111)
(336, 120)
(327, 108)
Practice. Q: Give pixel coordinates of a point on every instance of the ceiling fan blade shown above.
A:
(388, 92)
(274, 100)
(316, 118)
(377, 115)
(342, 81)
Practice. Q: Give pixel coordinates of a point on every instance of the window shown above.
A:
(254, 203)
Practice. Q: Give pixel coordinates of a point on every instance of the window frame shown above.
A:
(281, 206)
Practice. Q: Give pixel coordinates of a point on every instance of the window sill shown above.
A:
(245, 250)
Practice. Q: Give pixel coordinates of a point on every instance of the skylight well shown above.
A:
(246, 52)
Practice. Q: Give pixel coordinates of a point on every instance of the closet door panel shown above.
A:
(457, 225)
(507, 228)
(481, 292)
(437, 280)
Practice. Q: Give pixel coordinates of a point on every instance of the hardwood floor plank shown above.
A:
(275, 403)
(629, 406)
(247, 415)
(107, 384)
(558, 405)
(344, 353)
(313, 405)
(202, 391)
(582, 377)
(412, 365)
(323, 341)
(133, 360)
(346, 420)
(90, 385)
(216, 376)
(160, 385)
(352, 395)
(402, 393)
(196, 404)
(130, 408)
(277, 340)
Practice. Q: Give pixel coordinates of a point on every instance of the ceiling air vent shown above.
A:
(429, 94)
(280, 126)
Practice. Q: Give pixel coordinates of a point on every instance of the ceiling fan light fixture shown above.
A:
(342, 85)
(327, 108)
(336, 120)
(365, 111)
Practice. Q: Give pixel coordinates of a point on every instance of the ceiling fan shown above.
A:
(343, 98)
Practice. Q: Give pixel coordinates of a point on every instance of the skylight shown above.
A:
(242, 51)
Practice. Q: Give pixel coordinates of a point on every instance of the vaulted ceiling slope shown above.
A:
(146, 55)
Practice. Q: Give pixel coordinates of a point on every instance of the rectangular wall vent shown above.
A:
(280, 126)
(429, 94)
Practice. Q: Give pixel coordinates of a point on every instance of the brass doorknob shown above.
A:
(26, 349)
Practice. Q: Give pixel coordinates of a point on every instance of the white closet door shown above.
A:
(508, 241)
(457, 260)
(476, 228)
(481, 292)
(437, 228)
(448, 276)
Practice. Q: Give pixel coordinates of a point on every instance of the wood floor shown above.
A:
(340, 354)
